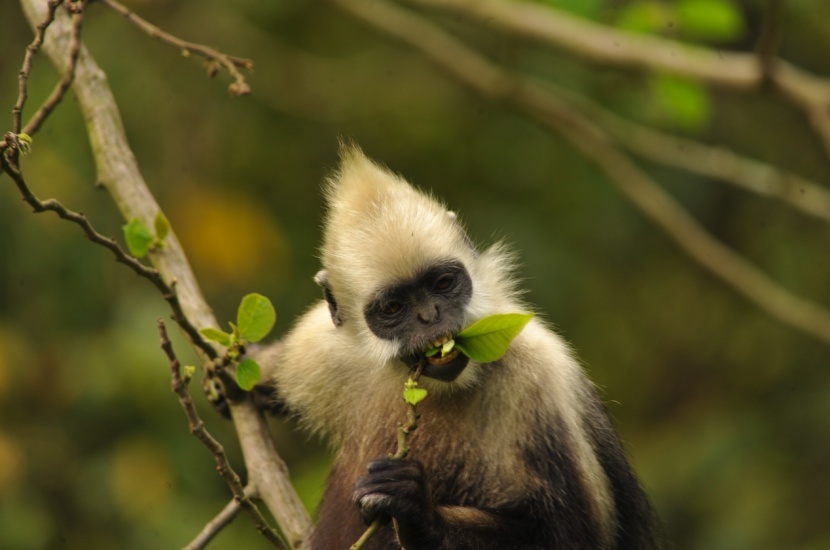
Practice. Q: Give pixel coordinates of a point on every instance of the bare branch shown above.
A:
(197, 428)
(77, 9)
(213, 56)
(603, 44)
(28, 59)
(535, 100)
(215, 526)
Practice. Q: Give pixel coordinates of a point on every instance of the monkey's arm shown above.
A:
(399, 489)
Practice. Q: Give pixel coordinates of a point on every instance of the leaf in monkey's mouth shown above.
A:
(484, 341)
(442, 351)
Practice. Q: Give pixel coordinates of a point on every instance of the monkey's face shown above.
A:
(422, 309)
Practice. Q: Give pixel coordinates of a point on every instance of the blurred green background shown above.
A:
(725, 411)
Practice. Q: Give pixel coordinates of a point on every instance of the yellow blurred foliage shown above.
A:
(140, 477)
(229, 236)
(11, 462)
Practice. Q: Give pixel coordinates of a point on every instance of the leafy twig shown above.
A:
(403, 448)
(213, 56)
(197, 428)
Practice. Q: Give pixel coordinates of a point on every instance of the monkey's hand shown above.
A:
(398, 489)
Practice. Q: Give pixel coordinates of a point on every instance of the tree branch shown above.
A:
(537, 101)
(215, 526)
(118, 172)
(719, 163)
(213, 56)
(606, 45)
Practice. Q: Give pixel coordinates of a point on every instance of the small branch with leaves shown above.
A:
(180, 379)
(412, 394)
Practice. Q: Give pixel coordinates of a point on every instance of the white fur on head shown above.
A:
(380, 230)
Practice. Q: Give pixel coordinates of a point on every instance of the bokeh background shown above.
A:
(724, 410)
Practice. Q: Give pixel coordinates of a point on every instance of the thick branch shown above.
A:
(535, 100)
(119, 173)
(603, 44)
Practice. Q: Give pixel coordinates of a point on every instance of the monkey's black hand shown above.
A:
(398, 489)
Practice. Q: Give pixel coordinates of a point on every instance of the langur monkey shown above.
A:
(518, 453)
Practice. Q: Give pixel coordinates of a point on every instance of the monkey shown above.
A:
(514, 454)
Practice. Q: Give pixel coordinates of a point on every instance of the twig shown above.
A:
(197, 428)
(213, 56)
(34, 124)
(770, 38)
(403, 450)
(603, 44)
(215, 526)
(28, 60)
(535, 100)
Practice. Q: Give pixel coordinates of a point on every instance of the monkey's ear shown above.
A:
(322, 279)
(467, 240)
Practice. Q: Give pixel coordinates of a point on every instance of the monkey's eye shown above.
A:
(391, 307)
(444, 282)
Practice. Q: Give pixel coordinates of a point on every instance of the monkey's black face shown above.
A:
(419, 311)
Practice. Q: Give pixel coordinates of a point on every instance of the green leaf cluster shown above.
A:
(254, 320)
(141, 239)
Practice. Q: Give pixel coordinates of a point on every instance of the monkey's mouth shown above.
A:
(442, 366)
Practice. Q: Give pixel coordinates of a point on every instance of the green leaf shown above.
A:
(685, 103)
(646, 16)
(710, 19)
(187, 373)
(412, 394)
(162, 226)
(247, 374)
(432, 351)
(139, 238)
(24, 141)
(487, 339)
(256, 317)
(216, 335)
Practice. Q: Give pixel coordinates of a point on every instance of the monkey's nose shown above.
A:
(429, 314)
